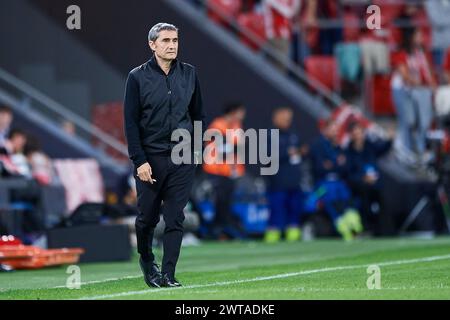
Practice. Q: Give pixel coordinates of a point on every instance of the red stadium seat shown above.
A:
(81, 179)
(379, 96)
(446, 62)
(109, 118)
(323, 69)
(228, 8)
(254, 24)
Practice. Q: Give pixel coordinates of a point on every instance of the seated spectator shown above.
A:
(14, 148)
(40, 164)
(284, 193)
(127, 195)
(15, 164)
(330, 168)
(6, 118)
(364, 176)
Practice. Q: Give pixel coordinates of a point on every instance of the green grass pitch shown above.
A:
(322, 269)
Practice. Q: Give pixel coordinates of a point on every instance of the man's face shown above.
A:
(166, 45)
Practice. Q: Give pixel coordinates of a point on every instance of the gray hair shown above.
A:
(157, 28)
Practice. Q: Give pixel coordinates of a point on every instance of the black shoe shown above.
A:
(152, 275)
(168, 281)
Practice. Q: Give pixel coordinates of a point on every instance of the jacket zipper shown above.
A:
(169, 92)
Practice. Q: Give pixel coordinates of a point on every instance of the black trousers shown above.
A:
(172, 188)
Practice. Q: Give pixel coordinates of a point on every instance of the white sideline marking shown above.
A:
(277, 276)
(100, 281)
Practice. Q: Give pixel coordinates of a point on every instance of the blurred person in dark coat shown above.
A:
(330, 169)
(363, 172)
(223, 175)
(284, 192)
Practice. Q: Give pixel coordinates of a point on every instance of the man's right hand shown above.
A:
(144, 172)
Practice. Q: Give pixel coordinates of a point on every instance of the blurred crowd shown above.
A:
(21, 161)
(410, 49)
(21, 154)
(346, 181)
(301, 28)
(31, 190)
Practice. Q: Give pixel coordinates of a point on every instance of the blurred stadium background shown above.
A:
(66, 180)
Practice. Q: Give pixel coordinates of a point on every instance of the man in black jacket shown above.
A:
(162, 95)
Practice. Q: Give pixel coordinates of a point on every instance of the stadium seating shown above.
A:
(81, 179)
(254, 24)
(323, 69)
(379, 96)
(229, 8)
(108, 117)
(446, 61)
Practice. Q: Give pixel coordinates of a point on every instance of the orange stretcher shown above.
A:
(19, 256)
